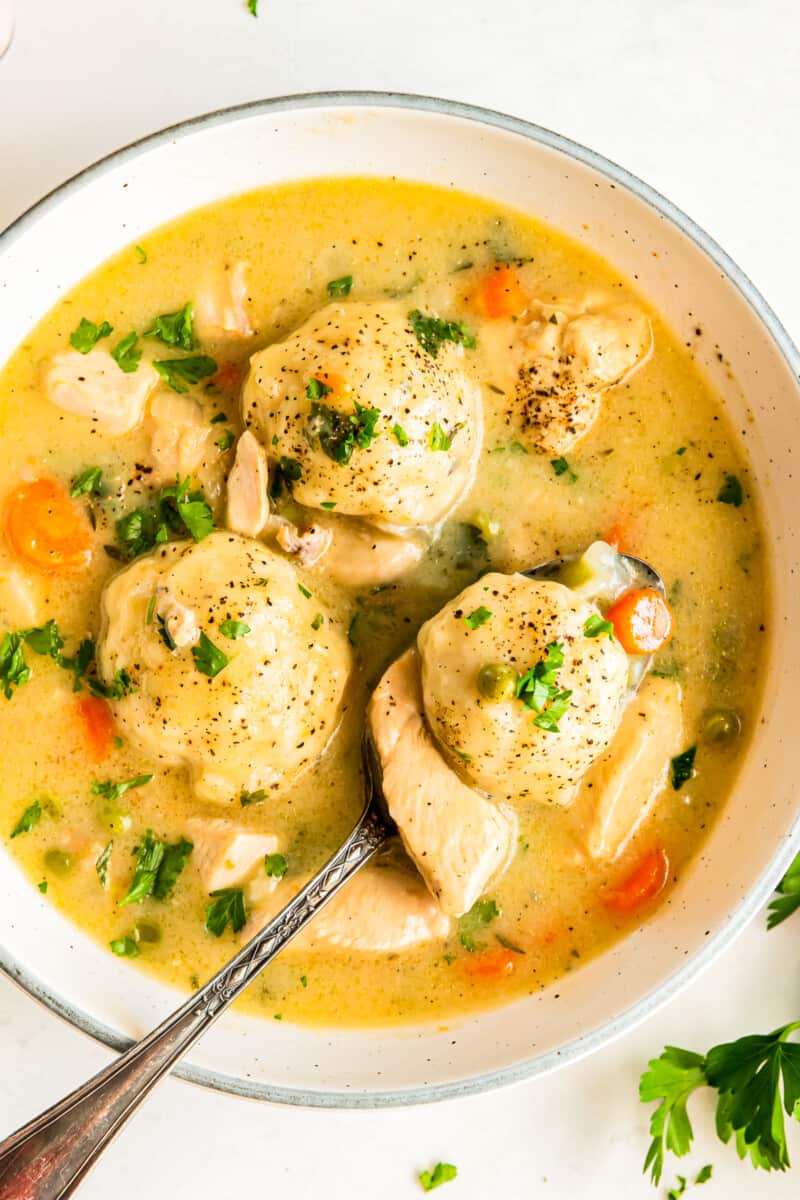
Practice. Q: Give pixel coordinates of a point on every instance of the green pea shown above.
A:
(58, 861)
(497, 681)
(147, 931)
(721, 725)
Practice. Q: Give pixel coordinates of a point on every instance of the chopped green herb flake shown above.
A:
(120, 686)
(788, 899)
(88, 483)
(562, 467)
(595, 626)
(234, 629)
(14, 670)
(328, 504)
(731, 492)
(704, 1174)
(538, 689)
(482, 913)
(112, 791)
(352, 629)
(225, 440)
(275, 866)
(338, 433)
(400, 435)
(317, 389)
(180, 373)
(175, 328)
(151, 608)
(88, 335)
(318, 622)
(208, 659)
(227, 908)
(441, 1173)
(477, 618)
(304, 980)
(158, 865)
(30, 818)
(439, 440)
(125, 947)
(247, 798)
(304, 591)
(431, 332)
(101, 865)
(126, 354)
(175, 512)
(341, 286)
(219, 419)
(682, 767)
(42, 887)
(141, 254)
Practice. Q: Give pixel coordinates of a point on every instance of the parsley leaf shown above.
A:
(158, 865)
(400, 435)
(562, 467)
(477, 618)
(14, 670)
(705, 1173)
(175, 328)
(682, 767)
(256, 797)
(439, 440)
(121, 686)
(671, 1079)
(101, 865)
(208, 659)
(88, 335)
(252, 7)
(275, 865)
(125, 947)
(176, 855)
(731, 492)
(430, 332)
(318, 622)
(595, 626)
(287, 472)
(441, 1173)
(176, 511)
(341, 286)
(88, 483)
(678, 1190)
(225, 440)
(228, 908)
(538, 689)
(482, 913)
(338, 433)
(31, 817)
(788, 899)
(126, 355)
(42, 887)
(234, 629)
(141, 254)
(112, 791)
(178, 373)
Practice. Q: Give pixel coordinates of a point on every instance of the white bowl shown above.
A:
(691, 281)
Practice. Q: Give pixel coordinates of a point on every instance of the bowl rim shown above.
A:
(754, 900)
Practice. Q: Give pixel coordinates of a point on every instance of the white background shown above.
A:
(702, 99)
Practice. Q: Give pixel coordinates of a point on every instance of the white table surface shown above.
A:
(702, 99)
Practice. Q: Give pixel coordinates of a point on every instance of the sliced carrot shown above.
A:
(490, 964)
(334, 382)
(46, 529)
(229, 377)
(642, 621)
(98, 723)
(646, 880)
(500, 294)
(617, 537)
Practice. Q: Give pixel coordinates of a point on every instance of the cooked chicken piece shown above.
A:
(494, 736)
(92, 385)
(308, 547)
(457, 838)
(221, 309)
(566, 362)
(381, 909)
(255, 719)
(225, 854)
(372, 422)
(620, 790)
(21, 596)
(361, 555)
(180, 434)
(248, 501)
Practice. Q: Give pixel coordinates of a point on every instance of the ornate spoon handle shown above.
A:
(47, 1158)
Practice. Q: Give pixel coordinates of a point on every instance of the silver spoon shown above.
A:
(48, 1158)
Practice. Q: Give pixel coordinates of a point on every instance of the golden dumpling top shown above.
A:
(364, 417)
(238, 674)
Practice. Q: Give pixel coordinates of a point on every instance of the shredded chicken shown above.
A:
(180, 434)
(221, 308)
(248, 501)
(309, 546)
(93, 385)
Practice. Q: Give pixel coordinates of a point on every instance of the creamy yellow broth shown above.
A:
(394, 239)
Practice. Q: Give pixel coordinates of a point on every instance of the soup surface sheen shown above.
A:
(657, 473)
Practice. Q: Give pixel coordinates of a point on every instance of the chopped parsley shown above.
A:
(158, 865)
(225, 440)
(175, 512)
(30, 818)
(208, 659)
(731, 492)
(338, 433)
(287, 472)
(88, 335)
(439, 440)
(477, 618)
(101, 865)
(112, 791)
(219, 419)
(682, 767)
(141, 254)
(352, 629)
(304, 591)
(482, 913)
(318, 622)
(275, 866)
(126, 354)
(341, 286)
(125, 947)
(14, 671)
(175, 328)
(234, 629)
(227, 908)
(788, 899)
(328, 504)
(538, 689)
(247, 798)
(121, 686)
(562, 467)
(88, 483)
(180, 373)
(252, 7)
(441, 1173)
(704, 1174)
(430, 332)
(47, 641)
(400, 435)
(595, 626)
(42, 887)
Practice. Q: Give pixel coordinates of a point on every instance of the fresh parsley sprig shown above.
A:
(175, 328)
(175, 512)
(431, 332)
(757, 1079)
(538, 689)
(158, 865)
(788, 899)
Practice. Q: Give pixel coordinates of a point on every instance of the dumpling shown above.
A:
(366, 419)
(508, 623)
(271, 709)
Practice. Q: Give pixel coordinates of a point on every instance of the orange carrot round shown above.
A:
(500, 294)
(45, 529)
(646, 880)
(98, 723)
(490, 964)
(642, 621)
(617, 538)
(333, 381)
(229, 377)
